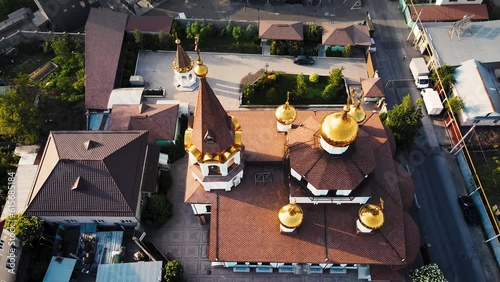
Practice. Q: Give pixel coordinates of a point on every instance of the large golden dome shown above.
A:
(371, 216)
(357, 112)
(200, 69)
(285, 114)
(339, 129)
(291, 216)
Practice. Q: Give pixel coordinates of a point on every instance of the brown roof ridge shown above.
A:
(210, 116)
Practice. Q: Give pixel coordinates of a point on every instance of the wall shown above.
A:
(30, 36)
(448, 2)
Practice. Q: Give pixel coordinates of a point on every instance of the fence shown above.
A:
(23, 36)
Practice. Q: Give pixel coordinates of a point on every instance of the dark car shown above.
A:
(469, 209)
(303, 60)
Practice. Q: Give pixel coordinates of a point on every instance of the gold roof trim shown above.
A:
(372, 216)
(220, 157)
(291, 216)
(286, 114)
(339, 129)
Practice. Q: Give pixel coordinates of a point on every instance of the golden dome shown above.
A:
(286, 114)
(291, 216)
(200, 69)
(339, 129)
(357, 112)
(177, 41)
(371, 216)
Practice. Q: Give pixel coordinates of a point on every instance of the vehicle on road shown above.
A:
(303, 60)
(420, 72)
(469, 210)
(432, 101)
(373, 47)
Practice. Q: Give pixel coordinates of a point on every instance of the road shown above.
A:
(457, 248)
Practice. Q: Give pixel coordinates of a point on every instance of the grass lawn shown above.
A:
(276, 94)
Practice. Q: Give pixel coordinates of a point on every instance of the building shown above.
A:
(479, 88)
(299, 191)
(342, 34)
(93, 177)
(65, 15)
(184, 77)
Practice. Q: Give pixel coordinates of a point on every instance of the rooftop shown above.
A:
(151, 24)
(345, 34)
(444, 13)
(480, 45)
(281, 30)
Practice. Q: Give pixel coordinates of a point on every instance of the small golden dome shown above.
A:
(286, 114)
(357, 112)
(371, 216)
(339, 129)
(200, 69)
(177, 41)
(291, 216)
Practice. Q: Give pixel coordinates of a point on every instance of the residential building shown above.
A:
(65, 15)
(341, 34)
(93, 177)
(300, 191)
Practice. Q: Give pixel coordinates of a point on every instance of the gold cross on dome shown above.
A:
(197, 47)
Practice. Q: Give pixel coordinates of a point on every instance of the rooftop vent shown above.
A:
(89, 144)
(77, 184)
(209, 138)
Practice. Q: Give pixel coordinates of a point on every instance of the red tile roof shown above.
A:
(210, 119)
(152, 24)
(345, 34)
(182, 60)
(89, 173)
(372, 87)
(443, 13)
(159, 119)
(104, 33)
(281, 30)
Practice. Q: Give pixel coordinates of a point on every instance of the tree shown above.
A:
(313, 33)
(250, 31)
(446, 73)
(405, 120)
(274, 48)
(237, 34)
(314, 77)
(336, 78)
(328, 92)
(157, 212)
(490, 176)
(455, 104)
(162, 40)
(20, 118)
(301, 89)
(26, 229)
(174, 272)
(427, 273)
(138, 39)
(347, 51)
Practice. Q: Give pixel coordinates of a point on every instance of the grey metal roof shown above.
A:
(481, 45)
(89, 173)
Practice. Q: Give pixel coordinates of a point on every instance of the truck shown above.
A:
(420, 72)
(432, 101)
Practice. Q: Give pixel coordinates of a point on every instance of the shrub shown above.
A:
(328, 92)
(270, 79)
(250, 31)
(430, 272)
(455, 104)
(248, 92)
(301, 89)
(157, 212)
(26, 228)
(347, 51)
(271, 95)
(336, 78)
(237, 34)
(314, 77)
(164, 182)
(174, 272)
(274, 48)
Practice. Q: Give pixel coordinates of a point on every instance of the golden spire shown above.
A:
(200, 69)
(286, 114)
(291, 215)
(355, 110)
(182, 62)
(372, 216)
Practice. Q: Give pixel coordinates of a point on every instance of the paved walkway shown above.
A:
(187, 240)
(225, 72)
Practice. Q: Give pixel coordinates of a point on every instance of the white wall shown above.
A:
(448, 2)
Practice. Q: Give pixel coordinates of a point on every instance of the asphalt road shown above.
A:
(457, 248)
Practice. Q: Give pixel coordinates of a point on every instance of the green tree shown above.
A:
(274, 48)
(328, 93)
(405, 120)
(313, 33)
(347, 51)
(138, 38)
(446, 73)
(250, 31)
(26, 229)
(455, 104)
(490, 176)
(427, 273)
(301, 89)
(174, 272)
(336, 78)
(314, 77)
(162, 40)
(20, 118)
(237, 33)
(157, 212)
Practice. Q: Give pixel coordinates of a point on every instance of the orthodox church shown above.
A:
(298, 191)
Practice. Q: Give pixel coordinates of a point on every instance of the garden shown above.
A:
(271, 88)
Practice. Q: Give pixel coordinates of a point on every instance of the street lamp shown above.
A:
(267, 65)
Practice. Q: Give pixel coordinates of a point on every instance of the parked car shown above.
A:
(469, 209)
(303, 60)
(373, 47)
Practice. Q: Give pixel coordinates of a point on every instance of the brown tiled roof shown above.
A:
(89, 173)
(211, 119)
(151, 169)
(104, 33)
(159, 119)
(151, 24)
(345, 34)
(443, 13)
(387, 273)
(182, 60)
(412, 238)
(281, 30)
(372, 87)
(326, 171)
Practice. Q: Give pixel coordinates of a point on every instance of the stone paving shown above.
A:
(187, 241)
(225, 72)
